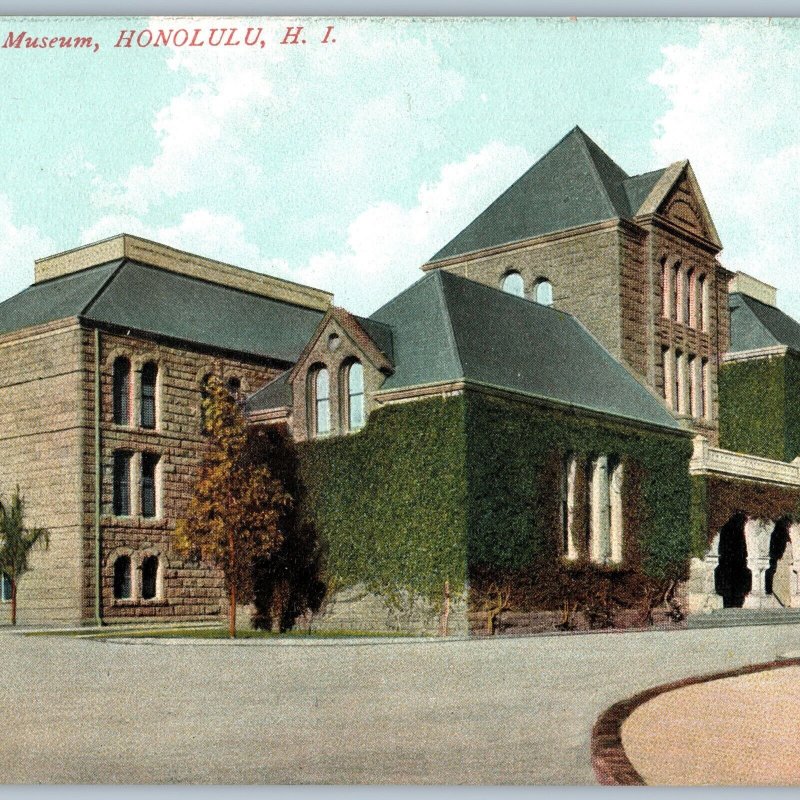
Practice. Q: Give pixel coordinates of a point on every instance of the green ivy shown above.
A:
(432, 490)
(755, 415)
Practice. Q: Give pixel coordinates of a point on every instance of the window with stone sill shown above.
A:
(121, 391)
(319, 406)
(123, 569)
(148, 381)
(150, 567)
(121, 500)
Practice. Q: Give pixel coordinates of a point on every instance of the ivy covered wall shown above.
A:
(759, 409)
(453, 489)
(514, 458)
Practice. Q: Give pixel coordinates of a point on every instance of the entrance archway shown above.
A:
(778, 577)
(732, 579)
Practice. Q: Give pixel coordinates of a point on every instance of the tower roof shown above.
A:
(575, 183)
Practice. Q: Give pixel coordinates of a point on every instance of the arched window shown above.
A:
(321, 402)
(148, 394)
(149, 489)
(149, 577)
(543, 293)
(689, 306)
(122, 391)
(122, 578)
(665, 294)
(676, 292)
(355, 396)
(513, 284)
(205, 395)
(234, 386)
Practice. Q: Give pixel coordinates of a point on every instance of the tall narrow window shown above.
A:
(148, 395)
(616, 518)
(322, 403)
(692, 368)
(122, 391)
(689, 310)
(665, 293)
(669, 380)
(513, 284)
(148, 488)
(122, 578)
(205, 396)
(702, 302)
(568, 475)
(355, 396)
(149, 577)
(676, 292)
(122, 484)
(705, 405)
(679, 404)
(588, 502)
(5, 588)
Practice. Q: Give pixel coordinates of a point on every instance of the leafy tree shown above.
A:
(235, 512)
(16, 543)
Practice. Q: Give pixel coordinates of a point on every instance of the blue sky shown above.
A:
(348, 165)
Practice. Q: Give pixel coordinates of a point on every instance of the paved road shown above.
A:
(496, 711)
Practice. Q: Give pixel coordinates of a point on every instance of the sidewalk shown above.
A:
(736, 729)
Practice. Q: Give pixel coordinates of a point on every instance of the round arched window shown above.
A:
(543, 293)
(513, 284)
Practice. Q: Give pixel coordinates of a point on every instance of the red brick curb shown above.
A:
(609, 761)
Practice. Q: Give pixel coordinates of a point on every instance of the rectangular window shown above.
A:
(676, 293)
(705, 389)
(692, 362)
(5, 588)
(149, 498)
(679, 404)
(568, 475)
(148, 395)
(600, 533)
(702, 303)
(666, 360)
(616, 519)
(122, 484)
(690, 316)
(665, 293)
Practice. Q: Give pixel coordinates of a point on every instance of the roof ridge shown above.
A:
(106, 283)
(446, 309)
(588, 147)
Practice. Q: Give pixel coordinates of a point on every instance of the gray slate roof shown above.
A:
(575, 183)
(448, 328)
(150, 300)
(755, 324)
(275, 394)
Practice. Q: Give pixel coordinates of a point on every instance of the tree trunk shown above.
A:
(13, 602)
(232, 613)
(232, 578)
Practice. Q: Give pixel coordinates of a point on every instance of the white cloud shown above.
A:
(244, 126)
(19, 245)
(386, 243)
(733, 99)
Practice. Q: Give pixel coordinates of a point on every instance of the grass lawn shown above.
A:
(209, 632)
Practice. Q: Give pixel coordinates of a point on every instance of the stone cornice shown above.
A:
(657, 221)
(452, 388)
(36, 331)
(567, 233)
(757, 353)
(707, 460)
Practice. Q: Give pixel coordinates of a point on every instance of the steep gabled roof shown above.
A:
(447, 328)
(755, 325)
(575, 183)
(151, 300)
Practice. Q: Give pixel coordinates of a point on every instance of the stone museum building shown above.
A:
(575, 409)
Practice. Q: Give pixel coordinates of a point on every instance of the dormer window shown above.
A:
(513, 284)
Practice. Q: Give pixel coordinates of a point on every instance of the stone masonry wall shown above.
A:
(583, 270)
(41, 451)
(185, 590)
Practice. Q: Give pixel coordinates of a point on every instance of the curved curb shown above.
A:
(609, 761)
